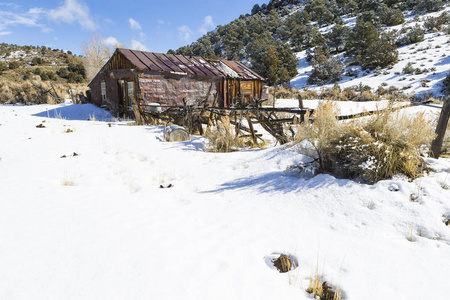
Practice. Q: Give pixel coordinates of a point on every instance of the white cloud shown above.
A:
(10, 4)
(46, 29)
(208, 24)
(112, 41)
(134, 24)
(36, 11)
(136, 45)
(184, 33)
(73, 11)
(5, 33)
(11, 18)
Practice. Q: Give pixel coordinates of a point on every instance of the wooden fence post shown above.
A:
(441, 127)
(300, 105)
(274, 96)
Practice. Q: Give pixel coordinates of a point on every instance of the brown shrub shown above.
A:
(309, 94)
(222, 137)
(368, 149)
(28, 92)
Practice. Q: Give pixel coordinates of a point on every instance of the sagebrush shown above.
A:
(29, 92)
(223, 137)
(370, 148)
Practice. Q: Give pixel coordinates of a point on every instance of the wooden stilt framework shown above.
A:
(244, 118)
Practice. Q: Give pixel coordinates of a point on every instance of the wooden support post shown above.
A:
(252, 131)
(274, 96)
(300, 105)
(441, 127)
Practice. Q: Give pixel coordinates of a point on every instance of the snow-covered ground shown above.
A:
(97, 225)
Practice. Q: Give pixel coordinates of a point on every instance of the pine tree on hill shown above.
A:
(252, 38)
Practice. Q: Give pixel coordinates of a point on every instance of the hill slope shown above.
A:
(349, 42)
(20, 62)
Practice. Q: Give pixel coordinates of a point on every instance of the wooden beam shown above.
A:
(252, 131)
(441, 127)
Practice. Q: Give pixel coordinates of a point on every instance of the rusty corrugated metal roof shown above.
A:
(241, 69)
(193, 65)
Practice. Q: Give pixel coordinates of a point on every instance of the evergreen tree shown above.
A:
(272, 21)
(363, 35)
(446, 85)
(13, 65)
(256, 9)
(415, 35)
(368, 49)
(44, 76)
(429, 5)
(51, 75)
(380, 54)
(326, 68)
(390, 16)
(319, 11)
(272, 60)
(27, 75)
(71, 77)
(63, 73)
(337, 38)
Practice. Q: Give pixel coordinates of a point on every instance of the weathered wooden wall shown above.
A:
(112, 89)
(245, 88)
(171, 89)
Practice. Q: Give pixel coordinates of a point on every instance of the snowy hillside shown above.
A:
(431, 56)
(82, 216)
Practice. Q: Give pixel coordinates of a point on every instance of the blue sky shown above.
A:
(153, 25)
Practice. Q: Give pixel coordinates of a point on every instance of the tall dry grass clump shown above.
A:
(371, 148)
(28, 92)
(6, 92)
(223, 137)
(321, 289)
(322, 131)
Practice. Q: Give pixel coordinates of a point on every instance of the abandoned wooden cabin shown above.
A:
(172, 81)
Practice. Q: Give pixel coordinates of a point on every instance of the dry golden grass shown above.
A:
(337, 294)
(67, 180)
(321, 289)
(371, 148)
(349, 94)
(315, 286)
(223, 138)
(410, 236)
(34, 91)
(322, 131)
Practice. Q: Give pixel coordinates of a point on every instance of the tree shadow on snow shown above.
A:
(79, 112)
(282, 182)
